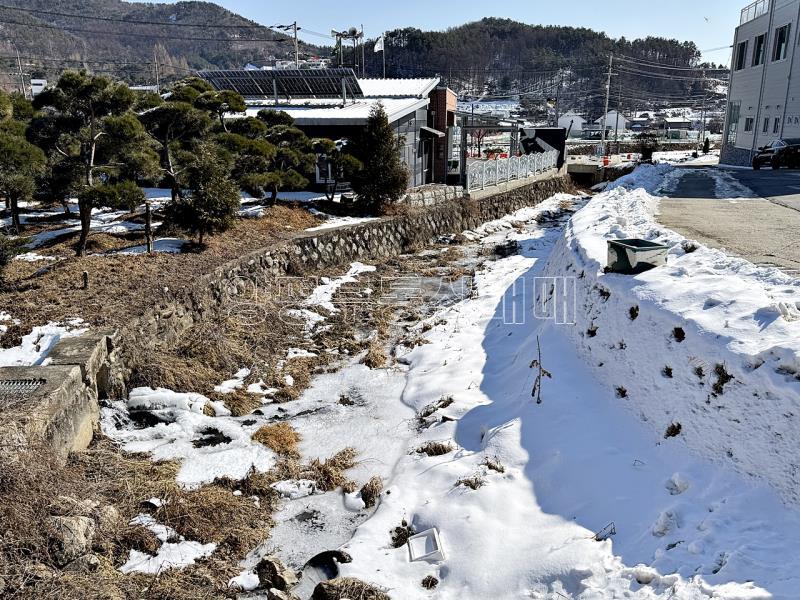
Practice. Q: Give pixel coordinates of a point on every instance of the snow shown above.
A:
(593, 501)
(323, 293)
(182, 423)
(573, 465)
(332, 221)
(170, 555)
(166, 245)
(38, 343)
(231, 385)
(33, 257)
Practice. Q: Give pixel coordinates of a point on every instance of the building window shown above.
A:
(741, 55)
(733, 123)
(781, 45)
(765, 128)
(776, 126)
(758, 49)
(748, 124)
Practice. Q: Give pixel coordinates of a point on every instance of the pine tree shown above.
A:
(92, 137)
(213, 199)
(384, 177)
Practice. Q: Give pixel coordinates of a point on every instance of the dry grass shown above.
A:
(475, 482)
(123, 287)
(494, 465)
(376, 355)
(348, 588)
(214, 514)
(239, 402)
(281, 438)
(435, 448)
(330, 474)
(29, 487)
(371, 491)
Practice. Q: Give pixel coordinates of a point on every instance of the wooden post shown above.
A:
(85, 277)
(148, 226)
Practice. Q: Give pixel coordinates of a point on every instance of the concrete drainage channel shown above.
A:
(55, 405)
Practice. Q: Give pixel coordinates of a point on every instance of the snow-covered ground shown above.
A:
(37, 344)
(685, 157)
(582, 462)
(585, 495)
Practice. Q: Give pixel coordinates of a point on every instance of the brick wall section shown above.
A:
(443, 108)
(373, 240)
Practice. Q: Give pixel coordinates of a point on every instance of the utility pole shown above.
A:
(363, 56)
(19, 72)
(296, 47)
(558, 95)
(608, 94)
(158, 75)
(619, 109)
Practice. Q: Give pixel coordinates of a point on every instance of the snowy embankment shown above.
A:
(729, 375)
(575, 497)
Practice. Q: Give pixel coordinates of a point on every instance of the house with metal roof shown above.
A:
(335, 104)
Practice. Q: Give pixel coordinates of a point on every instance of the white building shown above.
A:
(615, 121)
(37, 86)
(572, 122)
(764, 93)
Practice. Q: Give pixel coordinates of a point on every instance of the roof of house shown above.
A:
(327, 112)
(398, 88)
(610, 113)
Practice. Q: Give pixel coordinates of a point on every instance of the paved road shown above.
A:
(763, 230)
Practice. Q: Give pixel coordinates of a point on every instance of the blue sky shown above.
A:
(708, 23)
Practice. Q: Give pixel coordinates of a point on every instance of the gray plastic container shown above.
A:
(635, 256)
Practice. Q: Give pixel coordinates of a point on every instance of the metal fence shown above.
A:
(486, 173)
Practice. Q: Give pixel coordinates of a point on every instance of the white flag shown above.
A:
(379, 44)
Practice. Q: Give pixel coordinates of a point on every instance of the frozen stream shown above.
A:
(548, 477)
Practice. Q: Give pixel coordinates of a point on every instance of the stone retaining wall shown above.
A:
(309, 252)
(432, 195)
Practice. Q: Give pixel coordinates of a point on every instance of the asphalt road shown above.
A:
(764, 230)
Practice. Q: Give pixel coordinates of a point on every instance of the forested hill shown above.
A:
(50, 38)
(498, 56)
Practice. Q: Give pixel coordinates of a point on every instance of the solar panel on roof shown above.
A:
(287, 84)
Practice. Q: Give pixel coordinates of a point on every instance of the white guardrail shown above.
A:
(486, 173)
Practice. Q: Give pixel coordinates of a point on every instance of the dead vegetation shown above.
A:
(494, 464)
(124, 286)
(401, 534)
(435, 448)
(474, 482)
(213, 513)
(430, 582)
(281, 438)
(348, 588)
(723, 378)
(109, 487)
(371, 491)
(673, 430)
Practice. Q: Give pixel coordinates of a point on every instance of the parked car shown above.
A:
(777, 154)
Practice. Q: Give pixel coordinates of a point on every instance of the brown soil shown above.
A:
(121, 287)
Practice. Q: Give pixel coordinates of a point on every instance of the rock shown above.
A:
(272, 574)
(88, 563)
(347, 587)
(276, 594)
(107, 518)
(67, 506)
(40, 571)
(70, 537)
